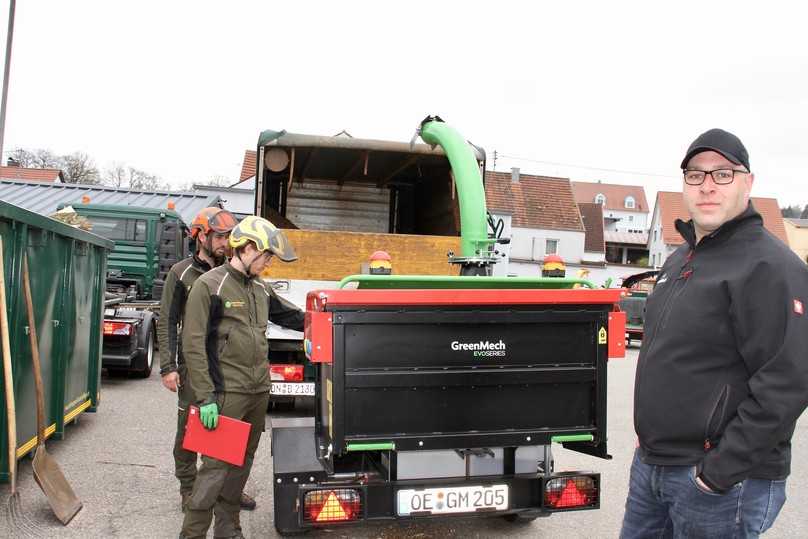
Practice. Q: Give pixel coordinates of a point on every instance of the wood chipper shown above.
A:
(439, 396)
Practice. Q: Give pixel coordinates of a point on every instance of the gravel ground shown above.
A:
(119, 462)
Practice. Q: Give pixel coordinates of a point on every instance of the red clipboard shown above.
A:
(227, 442)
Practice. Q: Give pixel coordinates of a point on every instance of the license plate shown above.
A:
(433, 501)
(292, 388)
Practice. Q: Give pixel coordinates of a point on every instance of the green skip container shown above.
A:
(67, 268)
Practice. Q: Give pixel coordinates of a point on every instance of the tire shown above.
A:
(145, 360)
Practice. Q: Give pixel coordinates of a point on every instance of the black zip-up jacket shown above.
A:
(723, 371)
(179, 280)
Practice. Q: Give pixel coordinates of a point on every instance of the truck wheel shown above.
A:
(145, 359)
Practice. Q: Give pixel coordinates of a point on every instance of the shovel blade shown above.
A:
(52, 481)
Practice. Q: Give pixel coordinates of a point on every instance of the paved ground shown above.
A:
(119, 463)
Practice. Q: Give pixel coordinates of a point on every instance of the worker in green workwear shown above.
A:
(211, 229)
(225, 349)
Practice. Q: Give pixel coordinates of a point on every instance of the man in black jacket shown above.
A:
(723, 371)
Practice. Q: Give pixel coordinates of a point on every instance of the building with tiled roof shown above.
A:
(248, 165)
(540, 216)
(594, 244)
(52, 175)
(797, 233)
(663, 238)
(625, 208)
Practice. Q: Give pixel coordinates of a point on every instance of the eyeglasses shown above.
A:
(720, 176)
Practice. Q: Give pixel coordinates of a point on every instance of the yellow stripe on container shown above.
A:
(30, 444)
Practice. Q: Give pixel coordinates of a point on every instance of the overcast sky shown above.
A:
(181, 89)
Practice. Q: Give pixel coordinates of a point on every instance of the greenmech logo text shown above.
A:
(481, 348)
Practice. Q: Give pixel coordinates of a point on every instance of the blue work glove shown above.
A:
(209, 415)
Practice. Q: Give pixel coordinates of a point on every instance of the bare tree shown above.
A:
(38, 158)
(78, 167)
(115, 176)
(120, 175)
(142, 181)
(218, 181)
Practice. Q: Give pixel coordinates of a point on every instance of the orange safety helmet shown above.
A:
(215, 219)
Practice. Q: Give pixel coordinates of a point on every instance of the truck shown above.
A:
(147, 242)
(437, 394)
(639, 286)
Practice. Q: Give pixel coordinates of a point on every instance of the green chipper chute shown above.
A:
(476, 256)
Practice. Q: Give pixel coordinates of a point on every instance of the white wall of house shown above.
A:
(591, 256)
(533, 244)
(629, 220)
(528, 246)
(658, 250)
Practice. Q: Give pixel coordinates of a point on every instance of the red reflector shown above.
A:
(286, 373)
(332, 505)
(569, 492)
(117, 328)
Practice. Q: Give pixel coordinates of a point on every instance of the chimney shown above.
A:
(515, 174)
(12, 162)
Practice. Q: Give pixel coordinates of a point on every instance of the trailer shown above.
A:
(442, 395)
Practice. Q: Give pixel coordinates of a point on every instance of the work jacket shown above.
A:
(179, 280)
(722, 374)
(224, 333)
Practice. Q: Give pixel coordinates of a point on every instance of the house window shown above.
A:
(630, 218)
(630, 203)
(655, 234)
(551, 247)
(600, 198)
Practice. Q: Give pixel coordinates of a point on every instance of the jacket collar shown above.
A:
(749, 217)
(201, 264)
(237, 275)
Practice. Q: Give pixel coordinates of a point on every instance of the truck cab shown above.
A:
(147, 242)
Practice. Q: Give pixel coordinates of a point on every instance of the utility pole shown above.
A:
(9, 39)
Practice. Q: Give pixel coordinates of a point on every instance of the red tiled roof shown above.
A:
(615, 195)
(533, 201)
(248, 165)
(592, 215)
(672, 207)
(35, 174)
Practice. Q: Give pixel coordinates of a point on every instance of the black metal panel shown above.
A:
(425, 340)
(293, 452)
(429, 377)
(379, 412)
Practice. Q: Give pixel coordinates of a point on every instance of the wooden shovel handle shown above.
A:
(40, 392)
(8, 378)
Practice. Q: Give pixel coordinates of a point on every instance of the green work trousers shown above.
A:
(220, 484)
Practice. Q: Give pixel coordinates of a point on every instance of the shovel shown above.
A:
(47, 473)
(8, 378)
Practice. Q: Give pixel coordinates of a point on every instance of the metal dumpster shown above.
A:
(67, 272)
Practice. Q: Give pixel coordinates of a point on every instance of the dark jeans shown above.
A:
(666, 502)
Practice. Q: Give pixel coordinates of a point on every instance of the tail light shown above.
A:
(569, 492)
(117, 328)
(286, 373)
(338, 505)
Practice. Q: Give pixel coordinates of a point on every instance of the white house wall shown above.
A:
(639, 219)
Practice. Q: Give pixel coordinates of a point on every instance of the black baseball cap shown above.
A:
(723, 142)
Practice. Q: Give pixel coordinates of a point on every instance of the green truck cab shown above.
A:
(148, 241)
